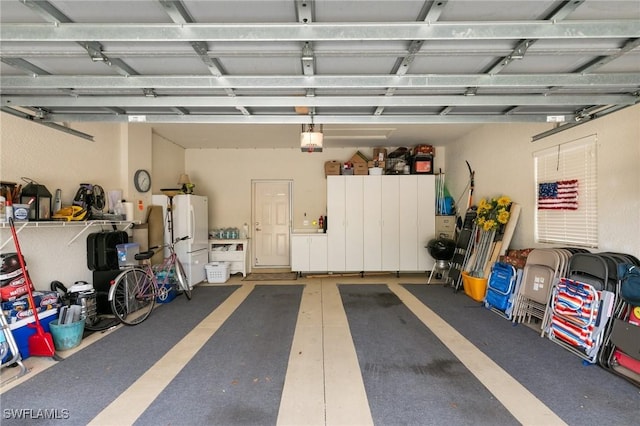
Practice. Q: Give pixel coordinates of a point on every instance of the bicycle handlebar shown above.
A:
(186, 237)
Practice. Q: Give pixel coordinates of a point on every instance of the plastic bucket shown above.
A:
(66, 336)
(474, 287)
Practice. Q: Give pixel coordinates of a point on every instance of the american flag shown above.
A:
(560, 195)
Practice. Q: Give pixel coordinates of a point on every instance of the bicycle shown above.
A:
(133, 294)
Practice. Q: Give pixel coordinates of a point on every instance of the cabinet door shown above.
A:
(300, 253)
(390, 229)
(354, 229)
(318, 253)
(336, 222)
(372, 222)
(408, 223)
(426, 219)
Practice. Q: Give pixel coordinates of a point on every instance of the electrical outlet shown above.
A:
(305, 222)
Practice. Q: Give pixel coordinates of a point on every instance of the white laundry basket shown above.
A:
(217, 272)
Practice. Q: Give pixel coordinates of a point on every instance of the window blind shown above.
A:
(563, 217)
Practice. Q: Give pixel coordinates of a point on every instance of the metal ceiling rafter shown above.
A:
(562, 11)
(180, 110)
(94, 48)
(430, 12)
(374, 31)
(199, 101)
(413, 81)
(302, 119)
(35, 119)
(326, 52)
(32, 70)
(578, 121)
(180, 15)
(305, 12)
(116, 110)
(600, 61)
(24, 65)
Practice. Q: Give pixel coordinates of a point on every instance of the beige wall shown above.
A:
(59, 160)
(167, 164)
(500, 154)
(225, 175)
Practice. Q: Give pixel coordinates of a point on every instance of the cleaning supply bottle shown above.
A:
(321, 224)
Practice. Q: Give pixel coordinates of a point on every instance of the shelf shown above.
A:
(63, 223)
(83, 224)
(237, 259)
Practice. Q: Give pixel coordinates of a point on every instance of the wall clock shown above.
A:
(142, 180)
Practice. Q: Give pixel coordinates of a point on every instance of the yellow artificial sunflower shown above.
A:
(493, 213)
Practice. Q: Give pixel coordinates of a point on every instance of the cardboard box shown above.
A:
(359, 157)
(380, 154)
(360, 169)
(331, 168)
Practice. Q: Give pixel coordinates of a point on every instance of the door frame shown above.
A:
(254, 185)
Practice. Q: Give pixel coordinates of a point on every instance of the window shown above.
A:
(566, 193)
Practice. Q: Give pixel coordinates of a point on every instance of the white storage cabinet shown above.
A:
(380, 223)
(233, 251)
(309, 252)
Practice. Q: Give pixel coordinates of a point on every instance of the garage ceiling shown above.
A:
(373, 73)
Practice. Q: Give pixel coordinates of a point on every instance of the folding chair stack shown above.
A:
(580, 307)
(542, 269)
(502, 288)
(620, 351)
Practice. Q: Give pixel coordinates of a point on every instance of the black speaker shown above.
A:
(101, 284)
(102, 253)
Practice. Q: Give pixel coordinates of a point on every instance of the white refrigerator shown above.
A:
(190, 217)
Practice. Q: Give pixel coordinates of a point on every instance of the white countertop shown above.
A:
(307, 232)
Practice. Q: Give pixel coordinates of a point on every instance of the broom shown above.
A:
(40, 343)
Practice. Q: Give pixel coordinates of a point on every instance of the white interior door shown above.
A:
(271, 223)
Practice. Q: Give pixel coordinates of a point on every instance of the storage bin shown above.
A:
(474, 287)
(66, 336)
(22, 331)
(217, 272)
(166, 292)
(126, 254)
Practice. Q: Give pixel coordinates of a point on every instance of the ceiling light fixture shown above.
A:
(311, 138)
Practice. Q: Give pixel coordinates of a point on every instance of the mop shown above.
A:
(40, 343)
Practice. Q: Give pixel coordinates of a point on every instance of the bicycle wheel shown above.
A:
(133, 296)
(103, 322)
(182, 279)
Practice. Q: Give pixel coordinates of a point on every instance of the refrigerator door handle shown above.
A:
(193, 222)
